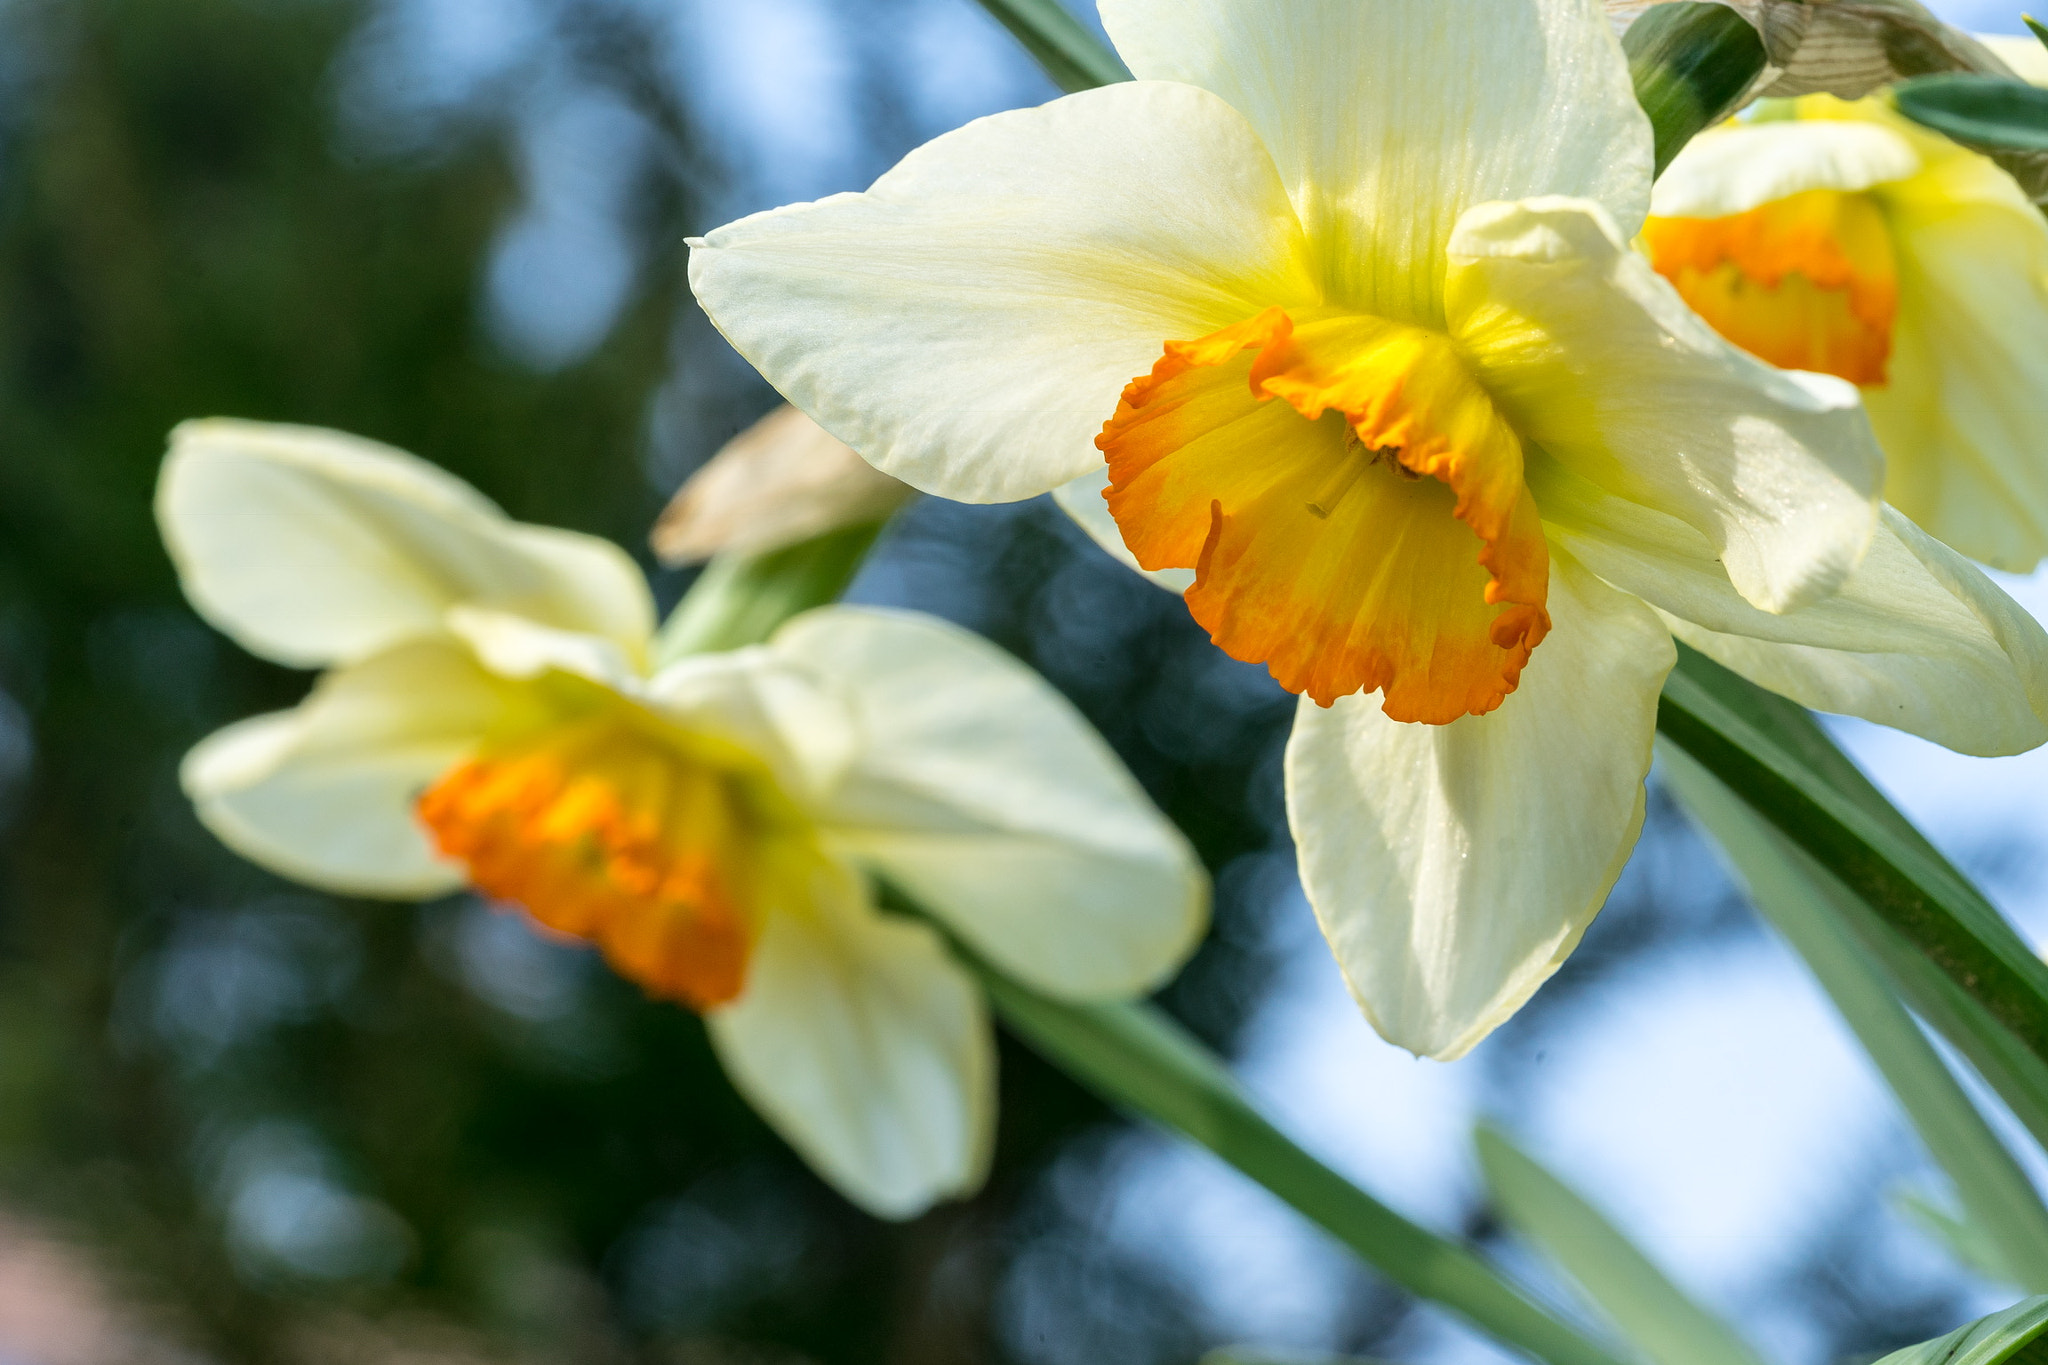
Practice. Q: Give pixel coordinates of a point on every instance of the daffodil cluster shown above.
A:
(721, 827)
(1333, 318)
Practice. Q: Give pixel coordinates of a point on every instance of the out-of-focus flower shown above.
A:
(718, 829)
(782, 480)
(1505, 462)
(1850, 48)
(1839, 237)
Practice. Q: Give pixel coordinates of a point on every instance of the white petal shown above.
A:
(1917, 639)
(869, 1050)
(968, 323)
(1964, 420)
(1453, 867)
(2025, 55)
(324, 793)
(312, 547)
(1599, 362)
(1738, 167)
(1390, 119)
(982, 793)
(513, 646)
(794, 719)
(1081, 499)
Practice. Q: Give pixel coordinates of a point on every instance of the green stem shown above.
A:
(1137, 1058)
(740, 601)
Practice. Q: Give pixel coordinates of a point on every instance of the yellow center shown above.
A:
(1808, 282)
(655, 845)
(1371, 530)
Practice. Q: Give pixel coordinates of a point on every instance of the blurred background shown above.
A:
(243, 1123)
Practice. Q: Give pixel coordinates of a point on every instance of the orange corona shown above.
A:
(1370, 530)
(611, 830)
(1808, 282)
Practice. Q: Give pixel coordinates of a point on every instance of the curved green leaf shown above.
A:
(1692, 63)
(1773, 753)
(1989, 113)
(1075, 58)
(1137, 1058)
(1805, 903)
(2008, 1336)
(1654, 1314)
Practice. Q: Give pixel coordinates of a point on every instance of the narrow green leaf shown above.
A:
(1987, 113)
(1075, 58)
(1966, 1241)
(1692, 62)
(1804, 901)
(2013, 1335)
(1788, 771)
(740, 601)
(1135, 1057)
(2035, 27)
(1652, 1313)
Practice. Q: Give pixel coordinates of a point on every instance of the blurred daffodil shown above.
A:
(1838, 237)
(717, 828)
(1417, 419)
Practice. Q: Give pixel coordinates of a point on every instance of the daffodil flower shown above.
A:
(1839, 237)
(718, 827)
(1409, 416)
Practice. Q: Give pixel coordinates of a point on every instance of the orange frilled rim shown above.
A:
(1369, 531)
(606, 830)
(1807, 282)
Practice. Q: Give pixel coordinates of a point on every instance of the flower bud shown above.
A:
(782, 480)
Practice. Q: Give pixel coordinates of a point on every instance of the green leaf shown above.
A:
(1135, 1057)
(1987, 113)
(1692, 62)
(2035, 27)
(740, 601)
(1075, 58)
(2012, 1335)
(1805, 903)
(1665, 1325)
(1771, 752)
(1965, 1241)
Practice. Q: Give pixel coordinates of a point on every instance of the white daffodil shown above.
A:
(717, 828)
(1839, 237)
(1417, 419)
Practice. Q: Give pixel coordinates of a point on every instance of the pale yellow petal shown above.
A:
(1741, 166)
(1454, 867)
(1917, 638)
(980, 791)
(868, 1049)
(313, 547)
(968, 323)
(1599, 363)
(1964, 420)
(1390, 119)
(324, 793)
